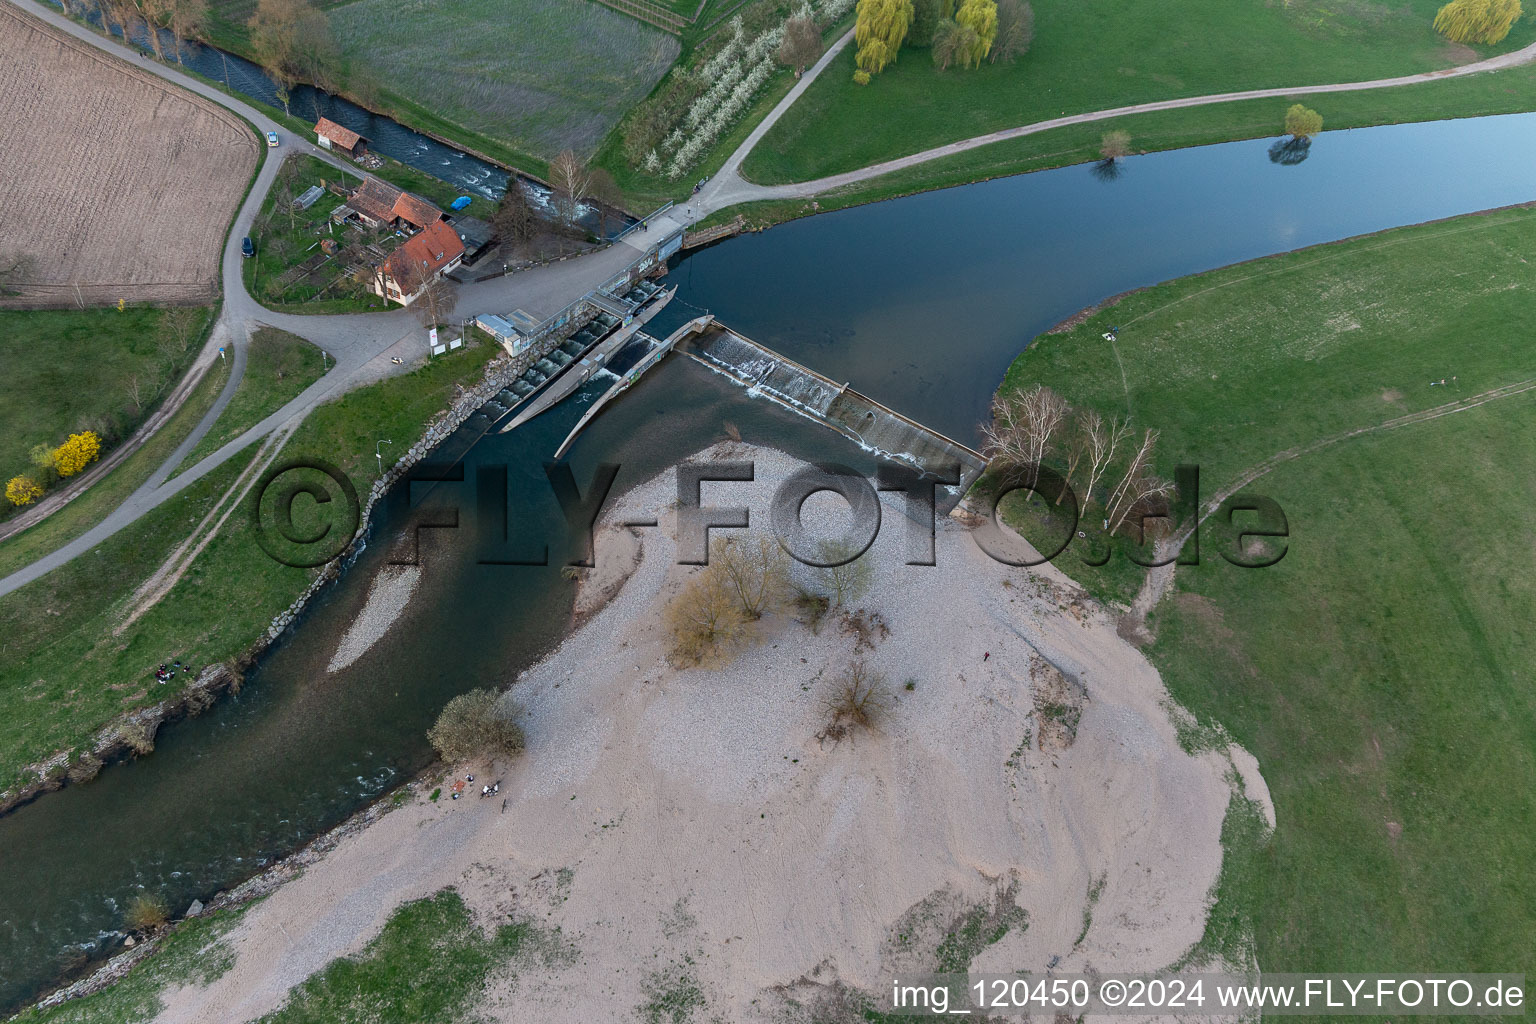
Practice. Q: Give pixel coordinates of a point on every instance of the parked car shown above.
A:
(247, 247)
(272, 139)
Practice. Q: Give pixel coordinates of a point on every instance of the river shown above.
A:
(920, 303)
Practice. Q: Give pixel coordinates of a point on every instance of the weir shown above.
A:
(873, 426)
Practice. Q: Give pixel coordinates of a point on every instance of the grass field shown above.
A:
(70, 370)
(278, 367)
(542, 75)
(430, 963)
(1500, 92)
(1096, 57)
(63, 672)
(1380, 670)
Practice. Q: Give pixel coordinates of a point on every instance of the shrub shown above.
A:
(79, 451)
(861, 77)
(812, 608)
(857, 699)
(146, 913)
(138, 737)
(472, 725)
(706, 619)
(22, 490)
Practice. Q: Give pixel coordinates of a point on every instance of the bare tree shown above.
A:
(291, 39)
(1023, 428)
(134, 388)
(189, 23)
(801, 46)
(1137, 485)
(436, 302)
(846, 581)
(1115, 144)
(705, 619)
(755, 569)
(573, 183)
(1015, 30)
(1101, 438)
(514, 219)
(606, 194)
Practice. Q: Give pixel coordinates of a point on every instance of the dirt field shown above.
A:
(118, 185)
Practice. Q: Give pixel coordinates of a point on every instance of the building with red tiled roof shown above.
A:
(331, 135)
(379, 204)
(422, 259)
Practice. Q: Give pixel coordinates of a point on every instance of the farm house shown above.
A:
(421, 260)
(378, 204)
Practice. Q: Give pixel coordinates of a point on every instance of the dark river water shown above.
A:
(921, 303)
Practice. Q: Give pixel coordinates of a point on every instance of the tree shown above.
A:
(1136, 484)
(291, 39)
(801, 46)
(189, 23)
(607, 196)
(573, 183)
(1302, 122)
(1015, 30)
(1023, 428)
(705, 620)
(514, 219)
(1477, 21)
(79, 451)
(436, 302)
(1115, 145)
(949, 41)
(474, 724)
(847, 578)
(879, 31)
(1100, 439)
(980, 16)
(22, 490)
(755, 569)
(925, 22)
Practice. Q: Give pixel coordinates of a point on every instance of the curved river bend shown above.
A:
(920, 303)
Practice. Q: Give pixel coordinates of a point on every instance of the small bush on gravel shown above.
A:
(473, 725)
(857, 699)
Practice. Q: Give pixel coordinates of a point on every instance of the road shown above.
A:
(362, 344)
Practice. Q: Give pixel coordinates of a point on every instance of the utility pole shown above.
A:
(379, 455)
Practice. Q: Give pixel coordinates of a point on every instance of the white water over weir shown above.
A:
(874, 427)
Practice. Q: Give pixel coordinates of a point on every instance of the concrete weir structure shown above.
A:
(873, 426)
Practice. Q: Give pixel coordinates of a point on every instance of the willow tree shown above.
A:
(881, 28)
(1477, 21)
(1302, 122)
(980, 16)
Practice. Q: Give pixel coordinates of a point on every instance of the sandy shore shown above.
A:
(695, 818)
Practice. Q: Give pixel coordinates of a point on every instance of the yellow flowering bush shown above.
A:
(22, 490)
(75, 454)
